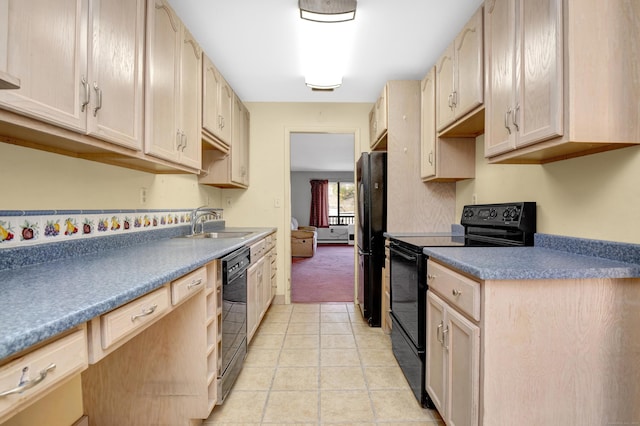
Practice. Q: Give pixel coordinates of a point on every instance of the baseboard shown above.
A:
(333, 241)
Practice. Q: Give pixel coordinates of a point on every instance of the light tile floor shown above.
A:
(320, 364)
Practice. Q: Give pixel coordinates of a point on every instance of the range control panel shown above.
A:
(520, 215)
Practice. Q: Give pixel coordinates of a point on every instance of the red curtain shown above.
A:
(319, 216)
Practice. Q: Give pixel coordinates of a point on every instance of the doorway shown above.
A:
(328, 273)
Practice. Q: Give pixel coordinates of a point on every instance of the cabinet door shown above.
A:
(253, 282)
(162, 85)
(428, 128)
(246, 145)
(116, 71)
(266, 282)
(538, 114)
(435, 361)
(469, 63)
(226, 111)
(211, 86)
(372, 126)
(382, 114)
(7, 81)
(47, 51)
(444, 88)
(500, 44)
(238, 169)
(191, 102)
(462, 341)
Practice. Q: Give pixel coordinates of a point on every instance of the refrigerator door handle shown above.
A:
(362, 253)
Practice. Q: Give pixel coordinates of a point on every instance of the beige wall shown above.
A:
(38, 180)
(596, 196)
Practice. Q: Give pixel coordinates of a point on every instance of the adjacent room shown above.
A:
(322, 217)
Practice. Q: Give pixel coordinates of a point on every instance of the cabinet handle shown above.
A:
(514, 118)
(506, 120)
(144, 313)
(456, 292)
(431, 158)
(184, 139)
(87, 94)
(431, 277)
(194, 283)
(99, 96)
(455, 99)
(28, 384)
(439, 333)
(178, 139)
(451, 100)
(444, 334)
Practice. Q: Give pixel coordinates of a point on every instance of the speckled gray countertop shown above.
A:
(552, 257)
(40, 301)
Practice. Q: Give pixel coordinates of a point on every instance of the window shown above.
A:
(341, 203)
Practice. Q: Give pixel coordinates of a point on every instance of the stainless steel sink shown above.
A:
(220, 234)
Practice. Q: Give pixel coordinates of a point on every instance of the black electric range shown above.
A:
(488, 225)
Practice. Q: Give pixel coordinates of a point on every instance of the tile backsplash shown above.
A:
(23, 228)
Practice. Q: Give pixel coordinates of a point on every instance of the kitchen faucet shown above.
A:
(200, 212)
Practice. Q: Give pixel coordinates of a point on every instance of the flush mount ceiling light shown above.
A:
(328, 10)
(325, 86)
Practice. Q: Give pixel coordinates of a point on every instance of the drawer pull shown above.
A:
(144, 313)
(28, 384)
(431, 277)
(194, 283)
(456, 292)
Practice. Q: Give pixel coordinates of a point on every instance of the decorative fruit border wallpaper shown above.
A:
(20, 228)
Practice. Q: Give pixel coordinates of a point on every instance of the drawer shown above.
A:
(44, 368)
(257, 250)
(456, 289)
(133, 316)
(186, 286)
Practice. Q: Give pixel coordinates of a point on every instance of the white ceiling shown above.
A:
(255, 44)
(322, 152)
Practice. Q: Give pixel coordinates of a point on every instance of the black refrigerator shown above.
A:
(371, 174)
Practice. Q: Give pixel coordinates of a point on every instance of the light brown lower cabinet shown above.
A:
(260, 282)
(166, 371)
(532, 352)
(41, 371)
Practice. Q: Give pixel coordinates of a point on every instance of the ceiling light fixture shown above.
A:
(323, 86)
(327, 10)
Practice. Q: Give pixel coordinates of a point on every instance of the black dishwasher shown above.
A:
(234, 317)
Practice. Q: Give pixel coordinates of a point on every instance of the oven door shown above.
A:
(408, 292)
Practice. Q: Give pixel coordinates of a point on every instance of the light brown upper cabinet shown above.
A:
(460, 78)
(217, 106)
(79, 67)
(7, 81)
(115, 76)
(173, 88)
(441, 159)
(561, 79)
(230, 169)
(240, 148)
(378, 118)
